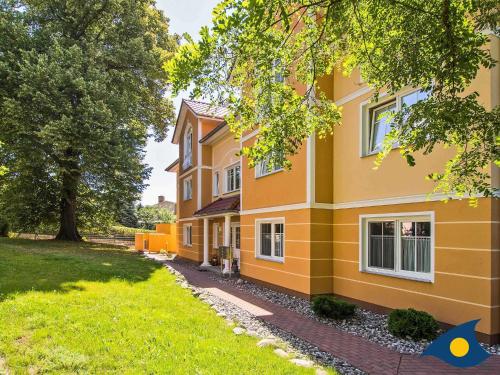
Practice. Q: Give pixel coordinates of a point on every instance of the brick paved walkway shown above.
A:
(359, 352)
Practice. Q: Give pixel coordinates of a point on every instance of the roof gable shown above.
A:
(198, 109)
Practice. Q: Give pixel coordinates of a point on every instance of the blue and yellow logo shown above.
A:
(458, 346)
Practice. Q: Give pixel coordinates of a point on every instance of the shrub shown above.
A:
(416, 324)
(4, 228)
(332, 307)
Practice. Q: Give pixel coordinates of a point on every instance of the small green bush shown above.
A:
(416, 324)
(332, 307)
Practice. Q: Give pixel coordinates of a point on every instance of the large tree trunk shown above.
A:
(68, 230)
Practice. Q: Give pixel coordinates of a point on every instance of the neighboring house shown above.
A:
(334, 225)
(162, 203)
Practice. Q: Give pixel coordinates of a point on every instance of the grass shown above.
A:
(89, 308)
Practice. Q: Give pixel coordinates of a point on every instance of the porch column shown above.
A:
(205, 244)
(227, 230)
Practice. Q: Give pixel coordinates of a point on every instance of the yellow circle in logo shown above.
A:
(459, 347)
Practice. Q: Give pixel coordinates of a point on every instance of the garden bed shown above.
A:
(365, 323)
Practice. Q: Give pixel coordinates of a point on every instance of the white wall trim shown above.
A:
(311, 169)
(353, 95)
(249, 136)
(214, 216)
(194, 169)
(415, 292)
(199, 158)
(322, 206)
(346, 205)
(390, 201)
(288, 207)
(188, 219)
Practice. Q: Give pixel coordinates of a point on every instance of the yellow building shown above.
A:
(334, 225)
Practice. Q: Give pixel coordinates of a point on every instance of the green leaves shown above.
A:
(439, 46)
(83, 85)
(149, 216)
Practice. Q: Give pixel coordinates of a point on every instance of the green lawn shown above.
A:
(88, 308)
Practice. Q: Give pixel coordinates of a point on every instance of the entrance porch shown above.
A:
(221, 228)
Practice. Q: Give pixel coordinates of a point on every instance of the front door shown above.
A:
(235, 240)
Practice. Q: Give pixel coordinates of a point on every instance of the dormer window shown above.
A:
(188, 148)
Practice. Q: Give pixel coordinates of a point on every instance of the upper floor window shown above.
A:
(188, 148)
(264, 168)
(377, 119)
(188, 188)
(398, 245)
(278, 72)
(233, 178)
(380, 125)
(216, 184)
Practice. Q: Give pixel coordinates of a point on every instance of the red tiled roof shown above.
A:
(220, 206)
(206, 109)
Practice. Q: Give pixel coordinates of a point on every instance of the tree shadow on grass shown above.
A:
(46, 265)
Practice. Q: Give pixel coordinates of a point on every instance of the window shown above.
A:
(235, 238)
(278, 72)
(188, 188)
(216, 184)
(233, 178)
(270, 239)
(215, 239)
(188, 148)
(398, 245)
(187, 235)
(380, 125)
(377, 119)
(264, 168)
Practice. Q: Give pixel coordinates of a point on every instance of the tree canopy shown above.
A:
(257, 53)
(149, 216)
(82, 85)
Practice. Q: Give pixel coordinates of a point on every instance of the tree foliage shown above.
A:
(82, 84)
(438, 46)
(148, 216)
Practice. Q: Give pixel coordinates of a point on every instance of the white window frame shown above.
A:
(260, 172)
(215, 234)
(187, 235)
(366, 118)
(397, 272)
(216, 182)
(226, 173)
(188, 151)
(185, 182)
(272, 221)
(234, 226)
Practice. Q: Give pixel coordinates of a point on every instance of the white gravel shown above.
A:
(270, 335)
(365, 323)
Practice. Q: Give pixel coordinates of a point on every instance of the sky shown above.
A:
(185, 16)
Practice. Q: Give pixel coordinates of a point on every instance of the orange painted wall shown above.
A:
(277, 189)
(307, 266)
(464, 264)
(170, 230)
(194, 252)
(188, 207)
(223, 155)
(355, 179)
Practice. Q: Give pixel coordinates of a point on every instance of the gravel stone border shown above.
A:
(299, 351)
(365, 323)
